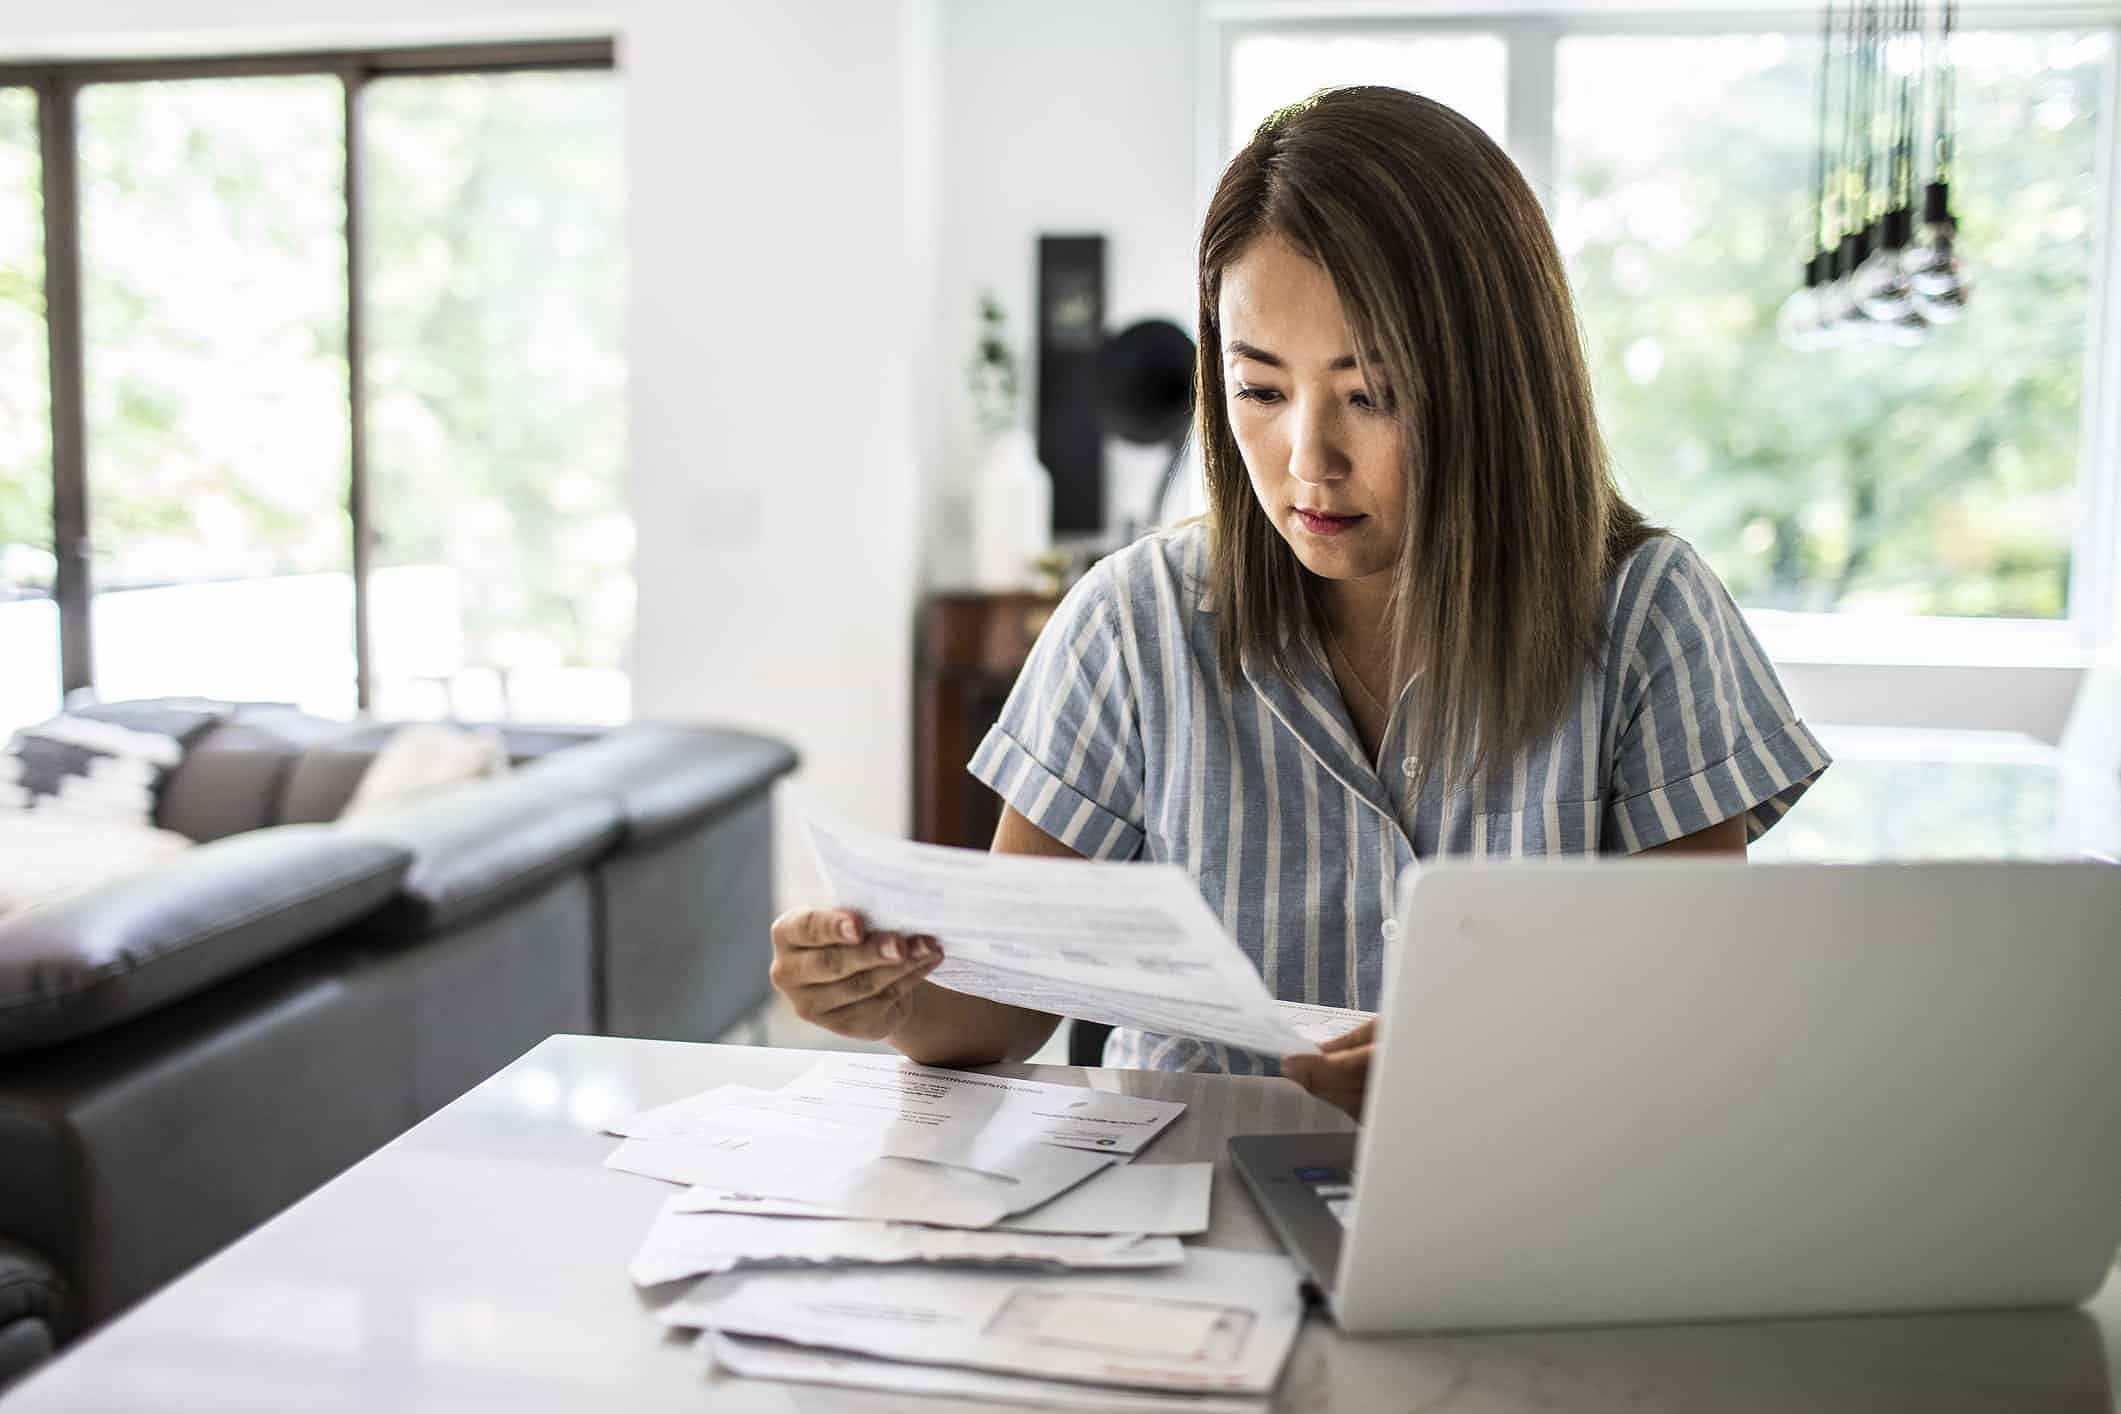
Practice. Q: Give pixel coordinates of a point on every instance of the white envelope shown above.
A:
(1223, 1323)
(683, 1245)
(1169, 1199)
(965, 1102)
(775, 1360)
(843, 1115)
(858, 1182)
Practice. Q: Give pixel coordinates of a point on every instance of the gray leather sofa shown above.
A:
(186, 1052)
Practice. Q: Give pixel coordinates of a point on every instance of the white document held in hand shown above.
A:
(1321, 1023)
(1166, 1199)
(682, 1244)
(1129, 944)
(1222, 1323)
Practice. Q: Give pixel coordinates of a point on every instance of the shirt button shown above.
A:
(1390, 929)
(1409, 766)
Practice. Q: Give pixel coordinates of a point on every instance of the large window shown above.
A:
(497, 388)
(214, 310)
(1913, 489)
(351, 411)
(29, 620)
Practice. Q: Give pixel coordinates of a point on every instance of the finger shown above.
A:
(817, 928)
(820, 1001)
(877, 980)
(1325, 1070)
(816, 967)
(878, 1015)
(1337, 1079)
(1362, 1035)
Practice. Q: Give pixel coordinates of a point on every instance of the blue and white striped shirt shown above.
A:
(1120, 741)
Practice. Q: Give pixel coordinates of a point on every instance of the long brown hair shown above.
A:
(1457, 298)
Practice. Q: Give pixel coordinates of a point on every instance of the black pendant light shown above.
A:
(1800, 316)
(1933, 261)
(1871, 272)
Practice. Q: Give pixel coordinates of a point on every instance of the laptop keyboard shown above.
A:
(1332, 1187)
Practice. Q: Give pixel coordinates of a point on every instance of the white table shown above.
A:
(478, 1263)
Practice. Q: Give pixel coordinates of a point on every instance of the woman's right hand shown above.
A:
(840, 976)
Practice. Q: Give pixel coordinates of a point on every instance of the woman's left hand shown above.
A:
(1342, 1074)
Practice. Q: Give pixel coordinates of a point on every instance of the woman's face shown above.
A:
(1322, 448)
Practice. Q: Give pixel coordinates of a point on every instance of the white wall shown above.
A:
(777, 312)
(1060, 119)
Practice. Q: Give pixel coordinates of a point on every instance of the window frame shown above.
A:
(1531, 34)
(57, 84)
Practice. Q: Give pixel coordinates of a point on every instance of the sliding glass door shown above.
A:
(29, 615)
(214, 297)
(313, 364)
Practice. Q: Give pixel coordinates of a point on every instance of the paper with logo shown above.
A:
(1128, 944)
(682, 1244)
(1222, 1323)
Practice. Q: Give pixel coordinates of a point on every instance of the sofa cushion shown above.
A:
(232, 776)
(322, 783)
(422, 757)
(324, 777)
(666, 777)
(97, 958)
(106, 762)
(480, 845)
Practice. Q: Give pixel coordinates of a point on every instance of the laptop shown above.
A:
(1694, 1090)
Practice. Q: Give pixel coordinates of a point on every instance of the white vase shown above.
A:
(1012, 512)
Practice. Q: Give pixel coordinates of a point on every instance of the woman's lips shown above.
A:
(1319, 524)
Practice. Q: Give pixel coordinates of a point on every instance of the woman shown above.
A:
(1418, 619)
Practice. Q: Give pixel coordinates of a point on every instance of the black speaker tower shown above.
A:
(1071, 326)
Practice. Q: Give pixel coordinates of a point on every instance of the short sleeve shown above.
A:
(1066, 751)
(1707, 731)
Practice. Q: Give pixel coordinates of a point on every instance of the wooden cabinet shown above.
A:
(969, 649)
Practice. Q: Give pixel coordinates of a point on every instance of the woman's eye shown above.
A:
(1249, 394)
(1378, 403)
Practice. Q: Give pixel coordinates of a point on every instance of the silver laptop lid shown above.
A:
(1690, 1089)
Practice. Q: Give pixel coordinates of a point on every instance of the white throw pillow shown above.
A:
(47, 855)
(425, 757)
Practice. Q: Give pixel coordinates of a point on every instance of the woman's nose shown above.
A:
(1315, 456)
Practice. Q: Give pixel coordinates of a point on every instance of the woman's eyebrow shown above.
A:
(1238, 348)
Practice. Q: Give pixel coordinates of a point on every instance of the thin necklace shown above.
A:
(1364, 688)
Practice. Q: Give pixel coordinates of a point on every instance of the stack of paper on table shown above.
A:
(1211, 1333)
(974, 1198)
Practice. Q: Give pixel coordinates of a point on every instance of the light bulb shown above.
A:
(1801, 318)
(1906, 331)
(1946, 306)
(1846, 300)
(1882, 285)
(1932, 263)
(1798, 319)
